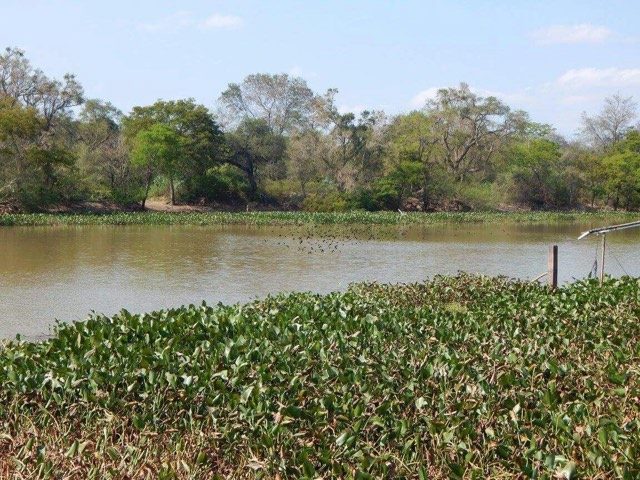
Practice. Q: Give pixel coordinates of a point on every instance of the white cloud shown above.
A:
(221, 21)
(600, 77)
(582, 33)
(182, 20)
(421, 98)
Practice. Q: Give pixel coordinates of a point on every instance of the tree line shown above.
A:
(273, 141)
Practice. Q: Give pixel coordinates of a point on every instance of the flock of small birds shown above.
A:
(323, 239)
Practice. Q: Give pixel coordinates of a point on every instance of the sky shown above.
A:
(554, 59)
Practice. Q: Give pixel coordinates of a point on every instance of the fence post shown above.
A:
(552, 266)
(604, 247)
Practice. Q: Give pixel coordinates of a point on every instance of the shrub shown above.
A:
(223, 184)
(327, 202)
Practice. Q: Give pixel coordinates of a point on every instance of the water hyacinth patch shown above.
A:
(313, 218)
(457, 377)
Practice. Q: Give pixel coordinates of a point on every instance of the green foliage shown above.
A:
(32, 172)
(297, 150)
(623, 178)
(104, 170)
(17, 121)
(620, 170)
(37, 160)
(157, 149)
(390, 191)
(479, 196)
(534, 174)
(285, 192)
(222, 183)
(406, 178)
(252, 146)
(410, 137)
(332, 201)
(631, 143)
(463, 377)
(315, 218)
(200, 137)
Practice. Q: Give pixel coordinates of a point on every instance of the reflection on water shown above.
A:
(63, 273)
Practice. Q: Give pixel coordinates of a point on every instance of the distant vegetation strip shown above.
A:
(459, 377)
(300, 218)
(274, 141)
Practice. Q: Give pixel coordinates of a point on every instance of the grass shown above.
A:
(458, 377)
(298, 218)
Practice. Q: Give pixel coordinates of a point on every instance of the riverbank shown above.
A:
(459, 377)
(302, 218)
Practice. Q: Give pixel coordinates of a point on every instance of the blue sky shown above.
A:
(552, 58)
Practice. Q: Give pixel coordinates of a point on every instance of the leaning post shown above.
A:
(604, 247)
(552, 267)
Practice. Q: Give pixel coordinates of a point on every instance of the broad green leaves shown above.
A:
(464, 377)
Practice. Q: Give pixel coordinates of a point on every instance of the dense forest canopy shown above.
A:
(272, 140)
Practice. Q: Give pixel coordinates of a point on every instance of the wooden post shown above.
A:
(552, 267)
(604, 247)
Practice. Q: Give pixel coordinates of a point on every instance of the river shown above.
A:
(64, 273)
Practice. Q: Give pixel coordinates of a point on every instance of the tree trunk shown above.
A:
(425, 183)
(251, 177)
(173, 190)
(146, 189)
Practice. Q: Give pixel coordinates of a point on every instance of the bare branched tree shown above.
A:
(354, 143)
(48, 102)
(611, 124)
(470, 128)
(283, 102)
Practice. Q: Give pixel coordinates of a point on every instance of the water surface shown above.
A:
(64, 273)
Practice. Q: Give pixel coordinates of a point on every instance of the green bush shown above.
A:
(284, 192)
(224, 183)
(479, 196)
(329, 202)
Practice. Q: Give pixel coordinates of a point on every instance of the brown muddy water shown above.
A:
(64, 273)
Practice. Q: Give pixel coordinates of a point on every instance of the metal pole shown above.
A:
(604, 247)
(552, 267)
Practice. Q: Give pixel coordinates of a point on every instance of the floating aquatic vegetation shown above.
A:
(297, 218)
(457, 377)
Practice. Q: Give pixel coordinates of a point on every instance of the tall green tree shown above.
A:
(103, 157)
(20, 127)
(535, 174)
(43, 158)
(355, 144)
(251, 146)
(305, 151)
(157, 149)
(202, 139)
(470, 129)
(412, 138)
(622, 168)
